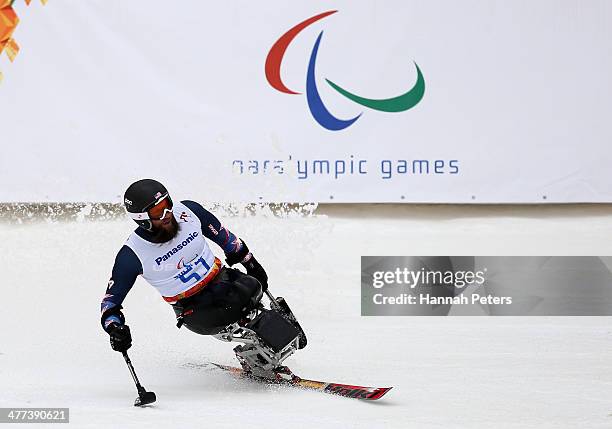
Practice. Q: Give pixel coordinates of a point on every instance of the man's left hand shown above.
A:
(254, 269)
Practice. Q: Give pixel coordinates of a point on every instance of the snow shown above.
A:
(451, 372)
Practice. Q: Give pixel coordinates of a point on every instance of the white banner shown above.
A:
(370, 101)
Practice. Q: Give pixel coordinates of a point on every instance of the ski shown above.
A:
(345, 390)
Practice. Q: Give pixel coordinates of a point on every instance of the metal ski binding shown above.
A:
(268, 339)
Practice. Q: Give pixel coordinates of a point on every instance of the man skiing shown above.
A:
(169, 249)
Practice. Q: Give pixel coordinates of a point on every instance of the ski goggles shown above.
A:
(157, 210)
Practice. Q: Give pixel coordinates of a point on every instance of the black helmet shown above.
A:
(140, 196)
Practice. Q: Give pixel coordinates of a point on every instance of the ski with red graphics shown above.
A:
(290, 379)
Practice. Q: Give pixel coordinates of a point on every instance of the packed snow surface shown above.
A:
(447, 372)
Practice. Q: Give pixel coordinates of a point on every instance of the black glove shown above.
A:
(254, 269)
(249, 262)
(120, 337)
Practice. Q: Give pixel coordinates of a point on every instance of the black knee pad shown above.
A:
(250, 290)
(221, 303)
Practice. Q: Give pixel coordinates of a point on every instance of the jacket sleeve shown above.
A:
(213, 230)
(125, 271)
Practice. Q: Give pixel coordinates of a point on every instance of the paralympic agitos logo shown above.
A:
(318, 110)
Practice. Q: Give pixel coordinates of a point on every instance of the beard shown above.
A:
(163, 234)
